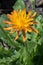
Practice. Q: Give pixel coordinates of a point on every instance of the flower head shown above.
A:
(20, 21)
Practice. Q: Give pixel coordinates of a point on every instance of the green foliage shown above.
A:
(19, 5)
(18, 52)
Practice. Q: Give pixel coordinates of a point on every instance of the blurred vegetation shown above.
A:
(17, 52)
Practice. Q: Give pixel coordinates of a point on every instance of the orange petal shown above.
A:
(30, 19)
(29, 30)
(30, 23)
(33, 29)
(17, 36)
(29, 14)
(34, 14)
(12, 31)
(35, 22)
(23, 13)
(7, 22)
(14, 13)
(7, 28)
(24, 36)
(9, 16)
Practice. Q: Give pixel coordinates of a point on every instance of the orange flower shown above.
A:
(20, 21)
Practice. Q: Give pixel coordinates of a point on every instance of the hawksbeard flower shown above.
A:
(21, 22)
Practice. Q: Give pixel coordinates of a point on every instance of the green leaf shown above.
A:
(19, 5)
